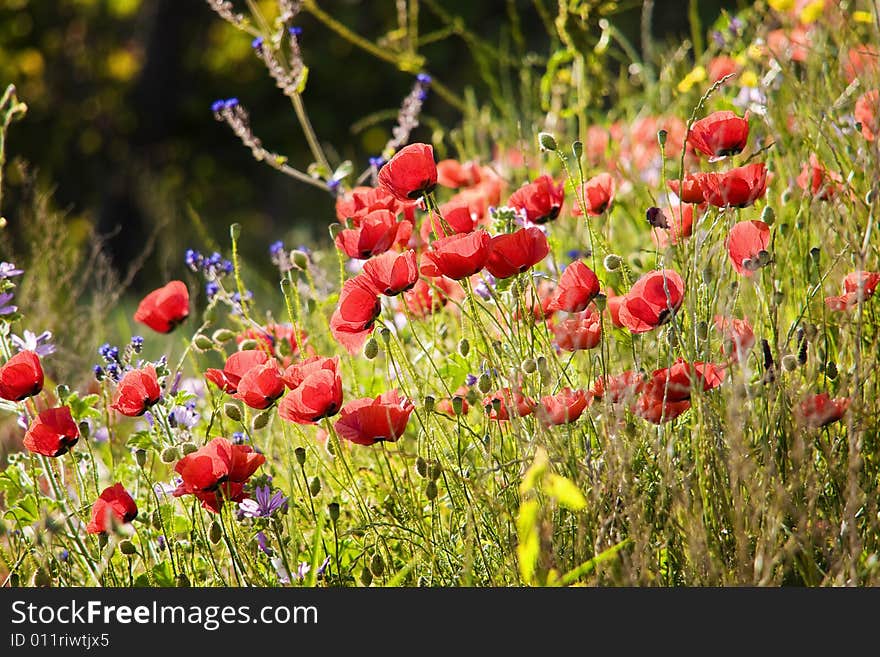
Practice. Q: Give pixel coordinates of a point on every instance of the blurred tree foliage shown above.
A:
(119, 93)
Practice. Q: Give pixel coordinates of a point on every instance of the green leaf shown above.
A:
(142, 440)
(588, 566)
(564, 492)
(528, 548)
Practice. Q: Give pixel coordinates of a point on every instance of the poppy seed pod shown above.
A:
(232, 411)
(215, 533)
(371, 349)
(464, 347)
(300, 455)
(547, 141)
(484, 383)
(333, 511)
(314, 486)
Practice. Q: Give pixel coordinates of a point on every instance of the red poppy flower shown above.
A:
(454, 174)
(722, 66)
(500, 404)
(377, 232)
(867, 112)
(446, 407)
(429, 296)
(651, 301)
(541, 200)
(165, 308)
(136, 392)
(679, 220)
(613, 303)
(277, 340)
(862, 60)
(316, 390)
(819, 181)
(361, 201)
(858, 286)
(793, 45)
(458, 256)
(356, 313)
(738, 187)
(579, 331)
(598, 192)
(675, 383)
(739, 338)
(688, 189)
(564, 407)
(457, 218)
(720, 134)
(367, 421)
(620, 388)
(52, 433)
(237, 365)
(392, 273)
(217, 472)
(260, 386)
(656, 410)
(411, 173)
(114, 504)
(746, 245)
(21, 376)
(513, 253)
(821, 410)
(578, 286)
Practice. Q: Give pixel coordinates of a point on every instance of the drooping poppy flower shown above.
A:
(738, 336)
(457, 218)
(392, 273)
(165, 308)
(819, 181)
(598, 192)
(652, 301)
(578, 286)
(114, 504)
(260, 386)
(676, 383)
(821, 410)
(688, 189)
(361, 201)
(513, 253)
(578, 331)
(356, 313)
(857, 286)
(720, 134)
(738, 187)
(622, 387)
(455, 174)
(747, 246)
(21, 376)
(377, 233)
(446, 406)
(502, 404)
(370, 420)
(541, 200)
(217, 472)
(411, 173)
(316, 390)
(867, 113)
(564, 407)
(53, 433)
(457, 256)
(136, 392)
(429, 296)
(237, 365)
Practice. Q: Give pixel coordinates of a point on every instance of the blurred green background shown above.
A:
(119, 124)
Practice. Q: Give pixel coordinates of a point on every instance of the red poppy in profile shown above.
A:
(564, 407)
(688, 189)
(458, 256)
(165, 308)
(446, 406)
(52, 433)
(652, 301)
(720, 134)
(113, 505)
(578, 286)
(21, 376)
(377, 232)
(821, 410)
(738, 336)
(503, 403)
(578, 331)
(237, 365)
(429, 296)
(613, 303)
(541, 200)
(513, 253)
(738, 187)
(411, 173)
(356, 313)
(316, 390)
(598, 192)
(392, 273)
(217, 472)
(361, 201)
(676, 383)
(260, 386)
(457, 218)
(622, 387)
(455, 174)
(367, 421)
(136, 392)
(857, 286)
(819, 181)
(747, 246)
(867, 113)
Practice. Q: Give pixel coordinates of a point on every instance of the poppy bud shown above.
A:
(464, 347)
(222, 335)
(434, 471)
(431, 490)
(789, 363)
(702, 330)
(429, 404)
(377, 566)
(84, 429)
(335, 229)
(170, 455)
(189, 448)
(529, 365)
(777, 298)
(299, 258)
(763, 258)
(333, 510)
(261, 420)
(484, 383)
(371, 349)
(541, 364)
(385, 334)
(815, 254)
(215, 533)
(300, 455)
(547, 141)
(869, 197)
(140, 457)
(248, 344)
(232, 411)
(612, 262)
(421, 467)
(203, 342)
(458, 405)
(831, 370)
(62, 392)
(786, 196)
(578, 149)
(315, 486)
(235, 231)
(366, 576)
(768, 215)
(42, 578)
(661, 137)
(127, 548)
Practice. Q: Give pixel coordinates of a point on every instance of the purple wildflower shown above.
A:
(41, 344)
(264, 504)
(8, 270)
(5, 307)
